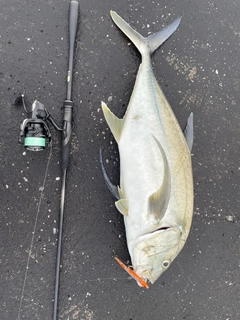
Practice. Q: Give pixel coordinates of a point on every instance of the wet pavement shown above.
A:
(198, 70)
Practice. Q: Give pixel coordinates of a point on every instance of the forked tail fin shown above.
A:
(149, 44)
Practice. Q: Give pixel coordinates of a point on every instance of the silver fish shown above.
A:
(156, 183)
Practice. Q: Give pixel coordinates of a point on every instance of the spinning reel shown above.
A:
(35, 134)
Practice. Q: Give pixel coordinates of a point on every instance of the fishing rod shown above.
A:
(35, 134)
(66, 140)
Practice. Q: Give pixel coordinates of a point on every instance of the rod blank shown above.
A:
(66, 141)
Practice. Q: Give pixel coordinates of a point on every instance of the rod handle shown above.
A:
(67, 132)
(73, 18)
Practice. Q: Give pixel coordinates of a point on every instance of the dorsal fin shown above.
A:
(158, 201)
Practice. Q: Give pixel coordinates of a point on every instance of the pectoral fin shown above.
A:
(122, 206)
(188, 132)
(115, 124)
(158, 201)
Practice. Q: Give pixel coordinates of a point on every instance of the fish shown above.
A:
(155, 195)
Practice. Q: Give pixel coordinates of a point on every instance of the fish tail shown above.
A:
(149, 44)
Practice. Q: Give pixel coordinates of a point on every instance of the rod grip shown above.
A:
(73, 18)
(67, 132)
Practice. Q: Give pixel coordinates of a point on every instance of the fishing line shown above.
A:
(34, 232)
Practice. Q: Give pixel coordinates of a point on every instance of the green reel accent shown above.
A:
(35, 142)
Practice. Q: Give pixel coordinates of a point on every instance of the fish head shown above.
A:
(154, 252)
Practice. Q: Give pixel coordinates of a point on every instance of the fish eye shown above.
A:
(166, 264)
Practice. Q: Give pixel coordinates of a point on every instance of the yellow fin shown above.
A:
(121, 193)
(115, 124)
(122, 206)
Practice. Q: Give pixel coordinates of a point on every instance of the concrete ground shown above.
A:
(198, 69)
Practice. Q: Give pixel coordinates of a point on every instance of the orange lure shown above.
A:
(132, 273)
